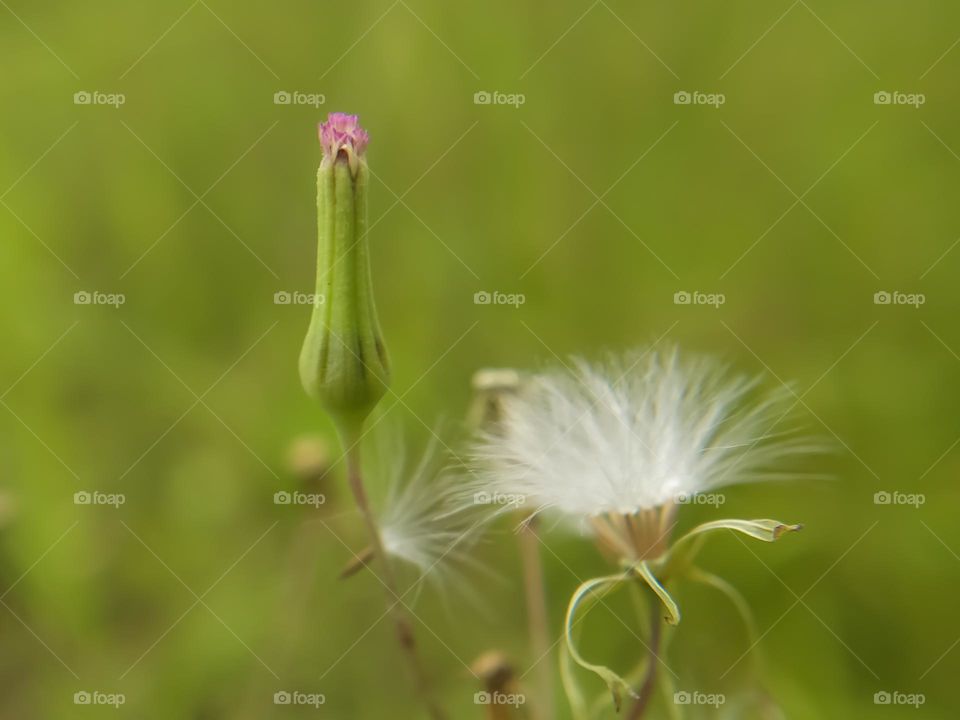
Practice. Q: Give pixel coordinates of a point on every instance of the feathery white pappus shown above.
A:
(422, 523)
(633, 434)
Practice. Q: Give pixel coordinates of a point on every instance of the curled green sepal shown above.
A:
(673, 612)
(615, 683)
(679, 560)
(765, 530)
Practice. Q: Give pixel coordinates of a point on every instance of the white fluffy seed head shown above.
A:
(633, 433)
(421, 522)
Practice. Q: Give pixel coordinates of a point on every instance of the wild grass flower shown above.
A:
(422, 523)
(343, 362)
(619, 447)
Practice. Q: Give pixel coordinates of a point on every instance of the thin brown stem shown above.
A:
(394, 602)
(537, 616)
(649, 680)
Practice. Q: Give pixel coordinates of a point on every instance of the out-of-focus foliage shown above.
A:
(597, 199)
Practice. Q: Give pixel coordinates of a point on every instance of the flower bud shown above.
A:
(493, 388)
(343, 364)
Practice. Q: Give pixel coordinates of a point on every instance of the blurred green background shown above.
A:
(598, 199)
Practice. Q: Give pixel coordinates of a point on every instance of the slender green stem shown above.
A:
(394, 602)
(649, 681)
(529, 541)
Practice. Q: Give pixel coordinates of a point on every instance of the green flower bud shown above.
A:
(343, 364)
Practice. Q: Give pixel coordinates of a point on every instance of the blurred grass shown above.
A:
(491, 198)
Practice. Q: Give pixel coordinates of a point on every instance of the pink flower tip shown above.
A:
(342, 132)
